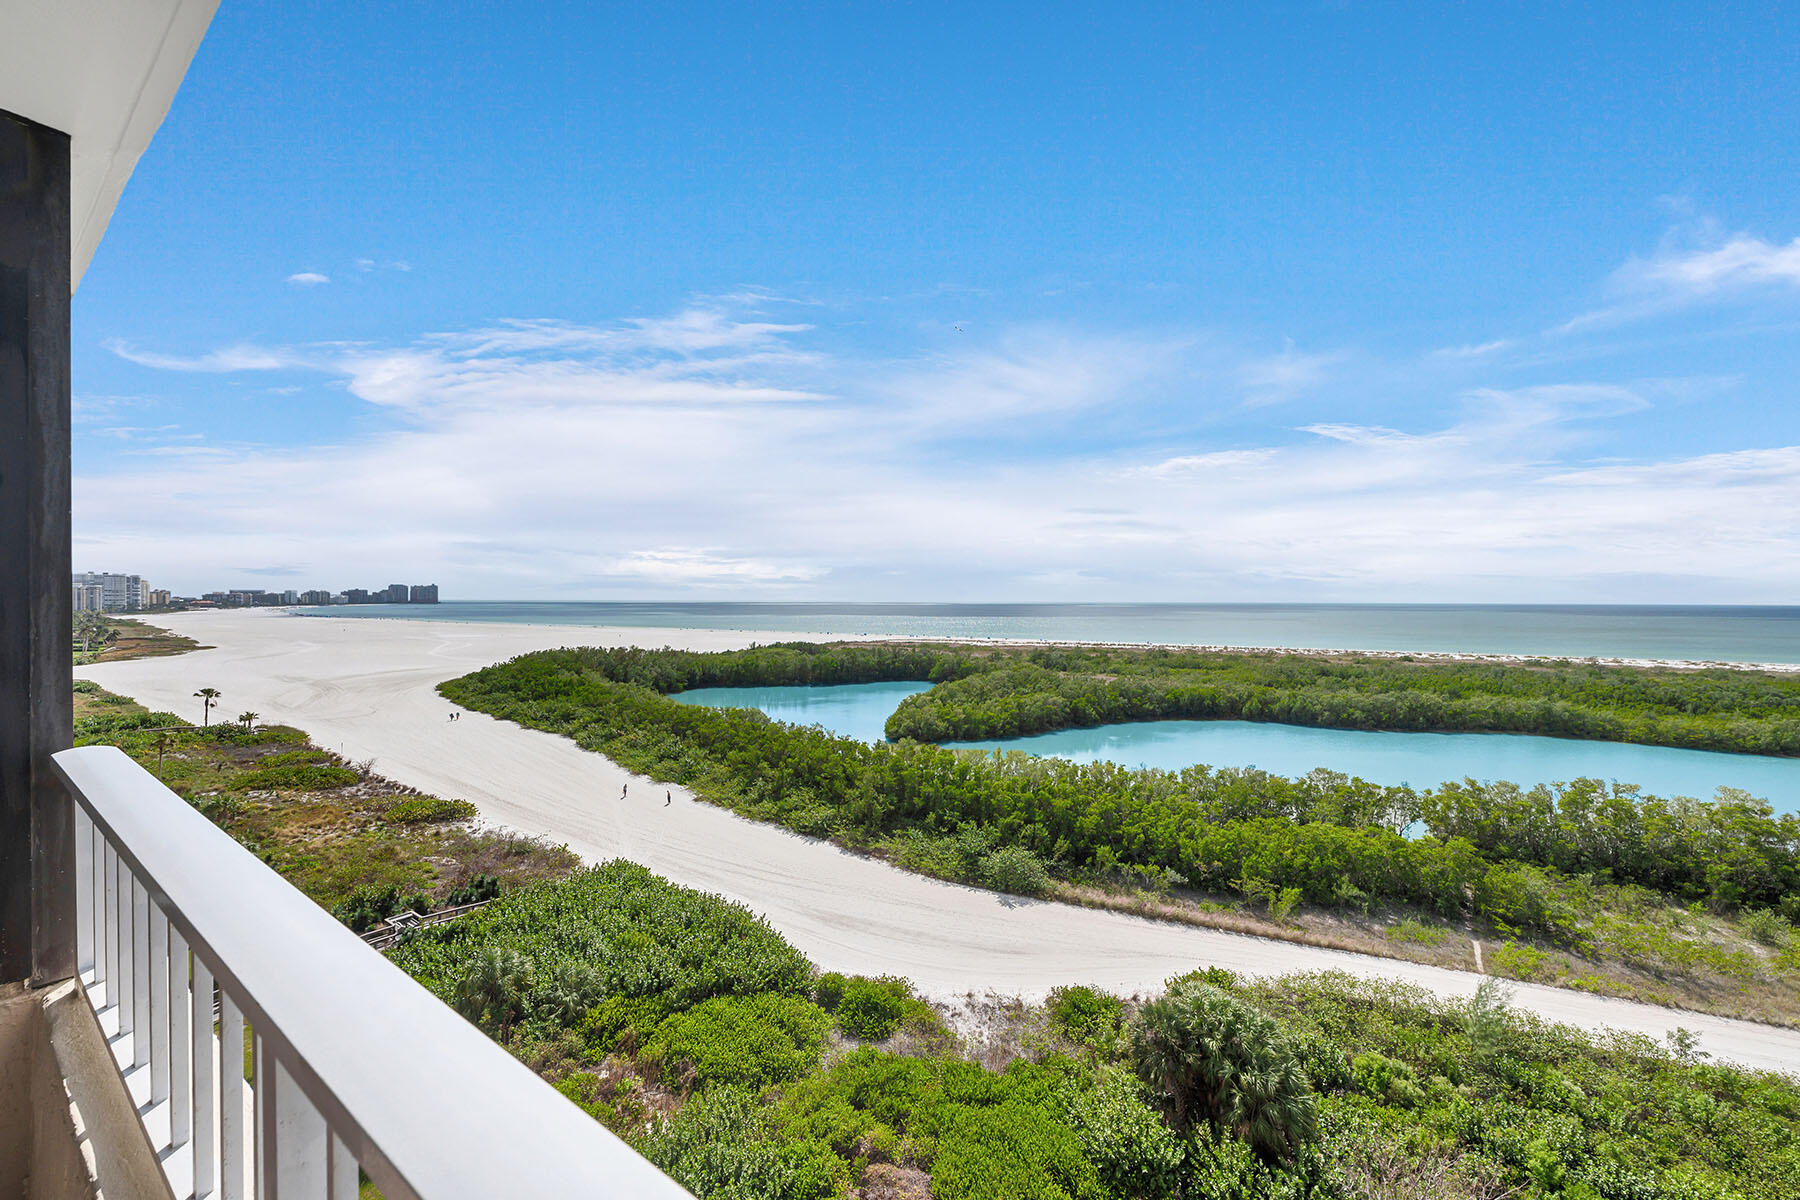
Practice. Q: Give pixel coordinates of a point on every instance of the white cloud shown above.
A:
(1478, 350)
(705, 454)
(687, 568)
(231, 358)
(308, 279)
(1212, 462)
(1742, 261)
(1694, 264)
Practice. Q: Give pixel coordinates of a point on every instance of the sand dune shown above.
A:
(366, 688)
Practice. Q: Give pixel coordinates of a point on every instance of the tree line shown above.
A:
(1489, 850)
(1002, 692)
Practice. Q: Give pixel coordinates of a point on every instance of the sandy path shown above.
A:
(366, 688)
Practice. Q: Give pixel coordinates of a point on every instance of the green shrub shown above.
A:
(1011, 1150)
(297, 778)
(1086, 1015)
(644, 935)
(1768, 927)
(421, 809)
(1410, 930)
(1015, 869)
(829, 990)
(1386, 1080)
(1520, 962)
(473, 890)
(621, 1023)
(291, 758)
(1214, 1061)
(742, 1040)
(723, 1144)
(871, 1009)
(1138, 1157)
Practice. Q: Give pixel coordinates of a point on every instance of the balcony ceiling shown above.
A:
(104, 72)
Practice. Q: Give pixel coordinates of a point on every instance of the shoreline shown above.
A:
(907, 639)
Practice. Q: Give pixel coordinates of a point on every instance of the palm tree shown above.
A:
(1217, 1061)
(91, 627)
(207, 697)
(492, 991)
(163, 742)
(247, 719)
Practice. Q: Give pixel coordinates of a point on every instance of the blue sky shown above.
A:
(960, 302)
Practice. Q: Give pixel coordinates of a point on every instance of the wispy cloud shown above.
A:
(229, 359)
(1284, 376)
(1742, 261)
(1695, 263)
(1475, 351)
(308, 279)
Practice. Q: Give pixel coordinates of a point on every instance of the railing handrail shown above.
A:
(425, 1101)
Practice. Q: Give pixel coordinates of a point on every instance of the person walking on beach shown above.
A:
(623, 790)
(668, 798)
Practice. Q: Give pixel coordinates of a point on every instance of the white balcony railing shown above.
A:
(353, 1064)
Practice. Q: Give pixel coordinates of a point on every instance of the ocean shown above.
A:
(1699, 633)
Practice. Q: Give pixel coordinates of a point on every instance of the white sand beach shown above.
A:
(365, 687)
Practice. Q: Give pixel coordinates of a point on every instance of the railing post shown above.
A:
(37, 846)
(141, 967)
(231, 1099)
(160, 1017)
(206, 1083)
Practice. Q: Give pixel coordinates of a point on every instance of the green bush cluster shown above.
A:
(1086, 1016)
(867, 1009)
(1305, 1088)
(298, 777)
(418, 810)
(741, 1040)
(639, 935)
(725, 1144)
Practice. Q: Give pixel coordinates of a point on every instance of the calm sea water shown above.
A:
(1769, 635)
(1420, 759)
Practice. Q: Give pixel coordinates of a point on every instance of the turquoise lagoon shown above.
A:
(1419, 759)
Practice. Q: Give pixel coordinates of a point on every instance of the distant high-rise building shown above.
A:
(356, 596)
(159, 597)
(290, 597)
(394, 593)
(424, 593)
(89, 597)
(118, 593)
(315, 597)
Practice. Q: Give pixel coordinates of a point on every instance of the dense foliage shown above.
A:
(1746, 711)
(995, 692)
(1489, 850)
(1305, 1088)
(640, 934)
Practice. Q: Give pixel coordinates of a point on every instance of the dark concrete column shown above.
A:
(37, 845)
